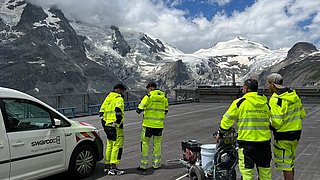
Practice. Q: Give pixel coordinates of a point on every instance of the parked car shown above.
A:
(37, 141)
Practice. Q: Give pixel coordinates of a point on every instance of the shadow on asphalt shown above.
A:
(98, 172)
(150, 170)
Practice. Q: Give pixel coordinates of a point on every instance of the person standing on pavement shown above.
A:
(154, 106)
(251, 113)
(286, 122)
(112, 118)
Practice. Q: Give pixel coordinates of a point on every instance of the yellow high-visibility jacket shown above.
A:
(286, 112)
(251, 113)
(112, 101)
(154, 106)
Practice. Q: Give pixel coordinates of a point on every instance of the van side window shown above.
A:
(26, 115)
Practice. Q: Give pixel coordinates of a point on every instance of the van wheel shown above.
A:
(82, 162)
(196, 173)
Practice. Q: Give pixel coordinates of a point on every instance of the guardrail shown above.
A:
(73, 105)
(68, 111)
(94, 108)
(85, 104)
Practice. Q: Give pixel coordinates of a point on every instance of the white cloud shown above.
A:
(219, 2)
(273, 23)
(173, 3)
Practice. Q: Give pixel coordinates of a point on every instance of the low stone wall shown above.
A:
(228, 94)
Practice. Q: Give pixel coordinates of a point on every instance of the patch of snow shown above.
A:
(58, 42)
(36, 62)
(314, 53)
(51, 21)
(241, 59)
(11, 17)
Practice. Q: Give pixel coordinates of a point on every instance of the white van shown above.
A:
(37, 141)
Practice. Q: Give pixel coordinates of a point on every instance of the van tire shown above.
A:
(83, 162)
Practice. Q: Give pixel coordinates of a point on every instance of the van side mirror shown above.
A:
(57, 123)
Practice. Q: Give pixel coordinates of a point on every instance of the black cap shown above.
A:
(252, 84)
(151, 84)
(120, 86)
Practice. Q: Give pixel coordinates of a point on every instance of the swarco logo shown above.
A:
(256, 111)
(55, 140)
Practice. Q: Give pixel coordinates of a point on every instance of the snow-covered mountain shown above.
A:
(40, 53)
(41, 50)
(148, 58)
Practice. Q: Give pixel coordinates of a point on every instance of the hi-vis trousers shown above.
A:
(285, 154)
(146, 135)
(251, 156)
(114, 144)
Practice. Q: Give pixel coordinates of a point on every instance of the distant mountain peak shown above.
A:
(300, 50)
(11, 11)
(241, 38)
(155, 45)
(237, 46)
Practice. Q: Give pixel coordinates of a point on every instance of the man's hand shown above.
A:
(216, 137)
(103, 123)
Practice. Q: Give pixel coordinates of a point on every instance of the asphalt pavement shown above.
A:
(198, 121)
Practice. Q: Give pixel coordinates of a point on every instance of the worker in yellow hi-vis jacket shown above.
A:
(251, 113)
(287, 113)
(154, 106)
(112, 114)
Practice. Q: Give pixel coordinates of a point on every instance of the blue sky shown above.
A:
(191, 25)
(209, 8)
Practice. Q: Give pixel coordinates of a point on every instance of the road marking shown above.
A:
(182, 177)
(303, 152)
(314, 111)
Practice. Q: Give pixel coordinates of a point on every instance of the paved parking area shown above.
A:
(198, 121)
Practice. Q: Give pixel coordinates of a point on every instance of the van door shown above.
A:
(4, 148)
(37, 149)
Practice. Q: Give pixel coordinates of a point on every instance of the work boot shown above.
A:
(113, 172)
(107, 168)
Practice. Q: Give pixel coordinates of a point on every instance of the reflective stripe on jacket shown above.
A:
(154, 105)
(286, 111)
(251, 113)
(111, 102)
